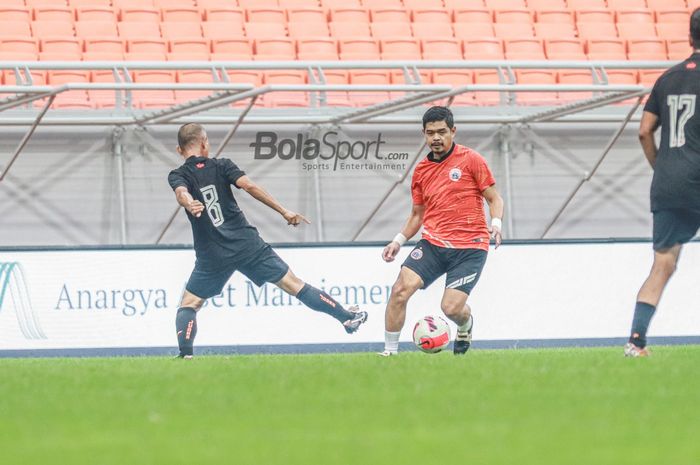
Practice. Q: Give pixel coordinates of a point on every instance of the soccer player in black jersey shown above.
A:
(675, 188)
(224, 241)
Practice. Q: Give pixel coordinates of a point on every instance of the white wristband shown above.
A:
(400, 239)
(496, 223)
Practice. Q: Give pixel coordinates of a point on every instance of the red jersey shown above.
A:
(451, 191)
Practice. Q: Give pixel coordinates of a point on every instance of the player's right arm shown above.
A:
(647, 127)
(413, 224)
(185, 199)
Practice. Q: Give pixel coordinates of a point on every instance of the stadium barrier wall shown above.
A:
(117, 299)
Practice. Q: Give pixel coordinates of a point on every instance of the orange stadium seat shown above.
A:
(147, 45)
(400, 77)
(513, 30)
(222, 29)
(555, 16)
(428, 30)
(14, 29)
(625, 4)
(369, 77)
(343, 30)
(38, 77)
(520, 16)
(60, 56)
(359, 49)
(140, 14)
(336, 77)
(524, 49)
(195, 76)
(670, 4)
(264, 30)
(180, 30)
(554, 30)
(245, 76)
(505, 4)
(600, 15)
(622, 76)
(678, 49)
(646, 49)
(441, 49)
(539, 77)
(693, 4)
(647, 77)
(275, 49)
(432, 16)
(564, 49)
(200, 55)
(105, 44)
(72, 98)
(32, 3)
(95, 13)
(596, 30)
(382, 3)
(474, 30)
(181, 14)
(102, 56)
(225, 13)
(332, 4)
(200, 47)
(135, 30)
(15, 14)
(673, 16)
(258, 3)
(235, 48)
(211, 3)
(456, 78)
(636, 30)
(299, 3)
(489, 97)
(606, 49)
(390, 15)
(671, 31)
(88, 3)
(153, 98)
(400, 49)
(483, 49)
(635, 16)
(574, 77)
(266, 15)
(473, 15)
(42, 29)
(460, 4)
(118, 4)
(307, 30)
(307, 15)
(53, 13)
(175, 3)
(432, 4)
(145, 56)
(547, 4)
(27, 45)
(317, 49)
(388, 30)
(285, 99)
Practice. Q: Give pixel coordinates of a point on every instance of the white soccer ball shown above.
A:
(431, 334)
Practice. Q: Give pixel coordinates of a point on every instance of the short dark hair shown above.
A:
(189, 134)
(695, 28)
(438, 114)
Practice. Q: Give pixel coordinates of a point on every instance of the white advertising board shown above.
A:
(128, 298)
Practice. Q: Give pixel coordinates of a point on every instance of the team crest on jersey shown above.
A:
(200, 165)
(417, 254)
(455, 174)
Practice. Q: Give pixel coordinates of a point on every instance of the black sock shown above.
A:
(640, 324)
(322, 302)
(186, 327)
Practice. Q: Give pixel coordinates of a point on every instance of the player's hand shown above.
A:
(390, 251)
(195, 208)
(295, 219)
(496, 235)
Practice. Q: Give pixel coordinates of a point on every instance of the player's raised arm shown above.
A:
(185, 199)
(495, 202)
(260, 194)
(413, 224)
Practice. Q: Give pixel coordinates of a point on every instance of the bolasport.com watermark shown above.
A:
(329, 152)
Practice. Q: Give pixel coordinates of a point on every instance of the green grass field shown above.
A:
(574, 406)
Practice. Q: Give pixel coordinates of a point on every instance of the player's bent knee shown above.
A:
(401, 292)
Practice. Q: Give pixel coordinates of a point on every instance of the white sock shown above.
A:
(466, 326)
(391, 341)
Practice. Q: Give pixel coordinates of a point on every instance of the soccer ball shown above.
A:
(431, 334)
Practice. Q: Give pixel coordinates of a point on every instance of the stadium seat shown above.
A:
(275, 49)
(555, 16)
(441, 49)
(636, 30)
(428, 30)
(598, 16)
(147, 45)
(456, 78)
(38, 77)
(637, 16)
(285, 99)
(487, 98)
(390, 15)
(195, 76)
(307, 15)
(538, 77)
(555, 30)
(474, 30)
(53, 13)
(483, 49)
(400, 49)
(626, 4)
(505, 4)
(574, 77)
(88, 3)
(27, 45)
(673, 16)
(95, 13)
(663, 4)
(331, 4)
(401, 77)
(239, 47)
(431, 16)
(60, 56)
(153, 98)
(139, 14)
(245, 76)
(678, 49)
(382, 3)
(622, 76)
(336, 77)
(118, 4)
(349, 15)
(564, 49)
(106, 45)
(524, 49)
(175, 3)
(264, 30)
(472, 16)
(307, 30)
(15, 29)
(462, 4)
(693, 4)
(606, 49)
(258, 3)
(299, 3)
(432, 4)
(646, 49)
(648, 77)
(225, 13)
(137, 30)
(67, 45)
(317, 49)
(369, 77)
(670, 31)
(519, 16)
(42, 29)
(20, 14)
(389, 30)
(197, 46)
(222, 29)
(539, 5)
(200, 55)
(102, 56)
(266, 15)
(359, 49)
(181, 14)
(596, 30)
(145, 56)
(180, 30)
(343, 30)
(73, 98)
(513, 30)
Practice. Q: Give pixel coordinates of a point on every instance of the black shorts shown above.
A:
(674, 226)
(463, 266)
(262, 267)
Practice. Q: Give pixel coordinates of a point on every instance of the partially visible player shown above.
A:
(448, 189)
(675, 188)
(224, 241)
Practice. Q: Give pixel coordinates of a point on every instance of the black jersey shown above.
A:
(675, 99)
(222, 232)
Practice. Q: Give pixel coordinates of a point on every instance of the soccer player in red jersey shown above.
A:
(448, 190)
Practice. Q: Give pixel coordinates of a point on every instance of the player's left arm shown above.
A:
(495, 202)
(261, 195)
(647, 127)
